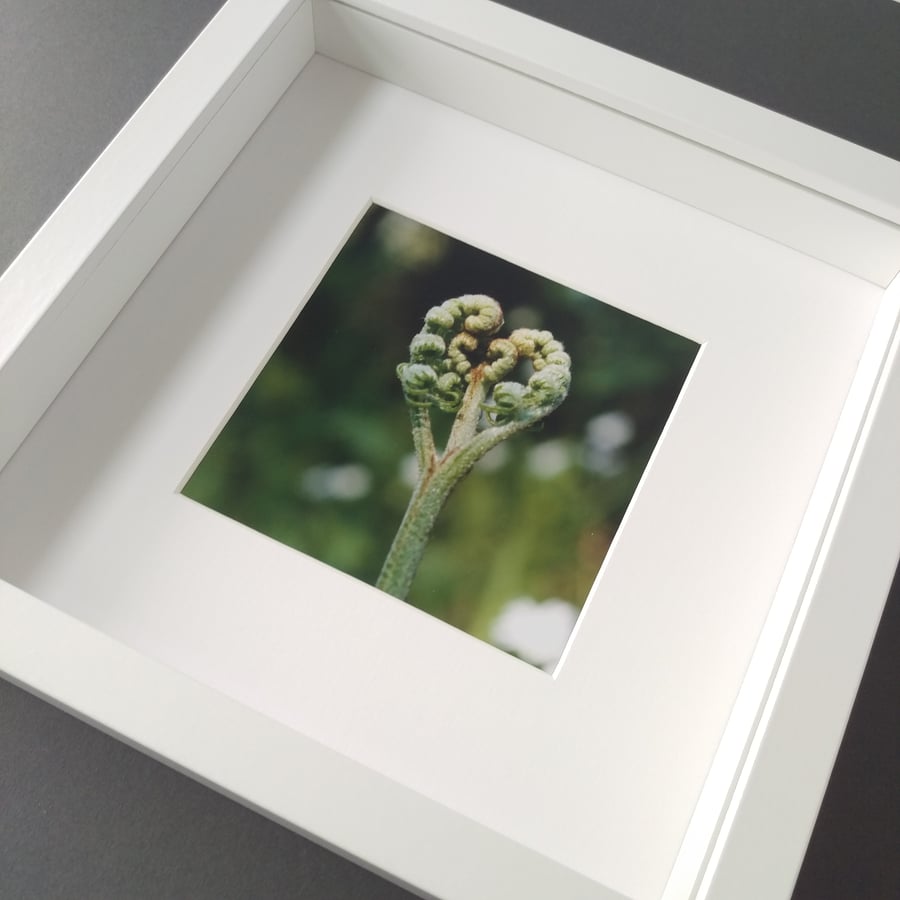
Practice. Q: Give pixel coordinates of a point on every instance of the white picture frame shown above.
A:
(816, 196)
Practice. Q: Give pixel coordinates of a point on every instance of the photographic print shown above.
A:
(453, 429)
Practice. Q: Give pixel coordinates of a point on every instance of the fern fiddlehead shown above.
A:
(458, 364)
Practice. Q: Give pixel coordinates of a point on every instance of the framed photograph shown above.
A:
(457, 456)
(402, 396)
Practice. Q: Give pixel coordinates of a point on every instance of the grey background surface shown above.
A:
(83, 816)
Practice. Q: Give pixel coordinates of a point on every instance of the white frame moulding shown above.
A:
(812, 192)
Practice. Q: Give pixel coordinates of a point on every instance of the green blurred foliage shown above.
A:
(318, 454)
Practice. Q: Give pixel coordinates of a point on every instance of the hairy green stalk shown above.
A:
(457, 365)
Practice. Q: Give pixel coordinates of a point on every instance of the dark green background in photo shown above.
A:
(319, 455)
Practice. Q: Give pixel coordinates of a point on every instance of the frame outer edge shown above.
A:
(137, 194)
(779, 789)
(268, 767)
(607, 138)
(774, 142)
(721, 793)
